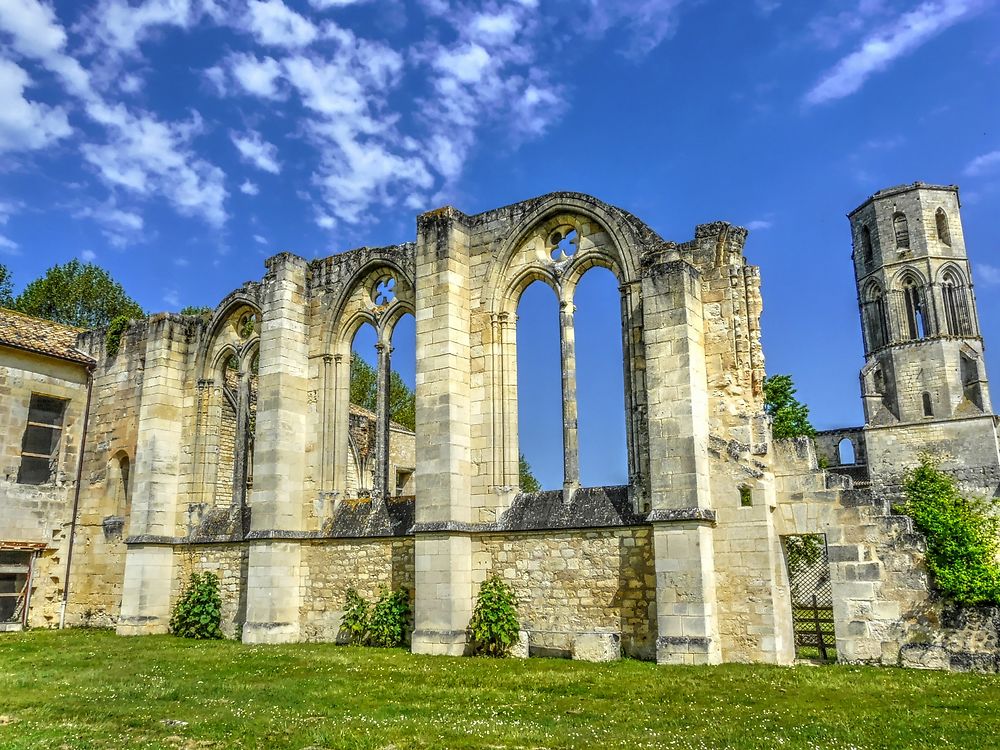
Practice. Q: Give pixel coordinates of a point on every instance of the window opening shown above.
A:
(845, 452)
(385, 291)
(564, 243)
(866, 245)
(928, 407)
(15, 568)
(914, 309)
(40, 444)
(951, 291)
(600, 380)
(901, 229)
(746, 496)
(943, 230)
(877, 323)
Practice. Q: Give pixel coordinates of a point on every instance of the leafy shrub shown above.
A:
(802, 551)
(389, 619)
(355, 622)
(113, 337)
(198, 612)
(383, 625)
(961, 535)
(494, 626)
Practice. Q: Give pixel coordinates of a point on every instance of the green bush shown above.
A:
(198, 613)
(383, 625)
(961, 535)
(113, 337)
(494, 626)
(355, 622)
(389, 619)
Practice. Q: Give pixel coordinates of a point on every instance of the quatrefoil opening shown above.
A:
(385, 291)
(563, 243)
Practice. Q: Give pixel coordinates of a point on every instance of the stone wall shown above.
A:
(570, 583)
(227, 561)
(330, 567)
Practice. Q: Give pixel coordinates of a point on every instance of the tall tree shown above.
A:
(6, 286)
(364, 392)
(77, 294)
(528, 481)
(790, 417)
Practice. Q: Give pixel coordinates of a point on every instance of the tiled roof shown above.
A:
(41, 336)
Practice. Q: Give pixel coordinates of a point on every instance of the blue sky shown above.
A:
(180, 142)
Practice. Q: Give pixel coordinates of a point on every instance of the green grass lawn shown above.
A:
(88, 689)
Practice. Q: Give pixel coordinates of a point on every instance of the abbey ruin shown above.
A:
(228, 443)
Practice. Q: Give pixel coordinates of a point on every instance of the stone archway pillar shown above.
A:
(680, 494)
(279, 456)
(149, 562)
(443, 545)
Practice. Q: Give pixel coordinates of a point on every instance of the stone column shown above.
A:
(279, 456)
(443, 547)
(242, 443)
(571, 438)
(678, 429)
(383, 352)
(149, 562)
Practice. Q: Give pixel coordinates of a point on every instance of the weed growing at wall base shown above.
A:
(494, 626)
(961, 535)
(198, 612)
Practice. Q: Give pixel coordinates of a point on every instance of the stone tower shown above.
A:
(923, 348)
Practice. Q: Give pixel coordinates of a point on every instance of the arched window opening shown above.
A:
(878, 326)
(928, 406)
(846, 453)
(971, 385)
(914, 308)
(362, 425)
(539, 389)
(124, 497)
(901, 229)
(943, 230)
(746, 496)
(402, 408)
(953, 295)
(227, 379)
(600, 380)
(866, 245)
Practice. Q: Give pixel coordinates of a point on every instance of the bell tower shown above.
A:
(923, 347)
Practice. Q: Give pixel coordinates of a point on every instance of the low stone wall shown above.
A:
(570, 583)
(229, 563)
(330, 567)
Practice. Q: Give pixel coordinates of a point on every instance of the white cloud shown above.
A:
(983, 164)
(326, 4)
(88, 256)
(759, 225)
(325, 221)
(118, 225)
(249, 188)
(148, 157)
(647, 23)
(257, 76)
(122, 26)
(274, 23)
(37, 35)
(260, 240)
(255, 150)
(879, 50)
(8, 246)
(26, 125)
(171, 298)
(182, 262)
(988, 274)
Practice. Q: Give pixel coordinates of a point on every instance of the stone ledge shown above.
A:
(676, 515)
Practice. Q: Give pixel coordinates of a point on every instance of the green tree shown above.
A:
(790, 417)
(6, 286)
(364, 393)
(527, 478)
(77, 294)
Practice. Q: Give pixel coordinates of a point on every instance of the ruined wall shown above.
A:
(105, 500)
(569, 583)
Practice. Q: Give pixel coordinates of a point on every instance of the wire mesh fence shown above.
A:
(808, 566)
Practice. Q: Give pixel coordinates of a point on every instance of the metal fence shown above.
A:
(808, 566)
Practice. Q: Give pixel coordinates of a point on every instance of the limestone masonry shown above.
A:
(227, 443)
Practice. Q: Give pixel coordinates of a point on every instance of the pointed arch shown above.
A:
(914, 305)
(877, 323)
(901, 230)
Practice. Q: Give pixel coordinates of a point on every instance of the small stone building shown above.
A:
(246, 458)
